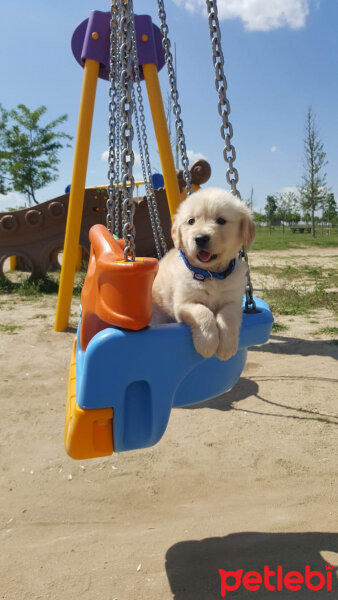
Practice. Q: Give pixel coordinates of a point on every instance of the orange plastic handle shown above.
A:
(116, 292)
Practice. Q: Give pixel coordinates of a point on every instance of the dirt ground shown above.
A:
(245, 480)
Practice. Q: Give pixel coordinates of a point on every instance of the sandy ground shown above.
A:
(246, 480)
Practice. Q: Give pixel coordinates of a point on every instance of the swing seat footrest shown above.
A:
(88, 433)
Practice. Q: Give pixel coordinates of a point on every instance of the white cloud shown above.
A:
(104, 156)
(192, 156)
(257, 15)
(11, 200)
(273, 149)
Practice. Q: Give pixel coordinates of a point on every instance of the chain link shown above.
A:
(113, 199)
(145, 159)
(125, 24)
(174, 96)
(221, 84)
(122, 108)
(229, 152)
(150, 194)
(250, 304)
(117, 209)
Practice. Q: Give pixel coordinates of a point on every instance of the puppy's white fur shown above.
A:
(211, 308)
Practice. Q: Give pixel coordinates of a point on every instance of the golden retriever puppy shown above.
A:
(201, 281)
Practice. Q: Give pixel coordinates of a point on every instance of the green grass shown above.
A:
(277, 327)
(301, 289)
(29, 287)
(292, 300)
(276, 240)
(317, 275)
(9, 328)
(78, 280)
(33, 289)
(328, 331)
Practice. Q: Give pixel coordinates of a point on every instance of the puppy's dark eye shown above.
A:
(220, 221)
(191, 221)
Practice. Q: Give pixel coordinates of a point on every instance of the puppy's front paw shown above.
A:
(203, 327)
(228, 346)
(206, 340)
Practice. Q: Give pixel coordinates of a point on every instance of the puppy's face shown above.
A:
(211, 226)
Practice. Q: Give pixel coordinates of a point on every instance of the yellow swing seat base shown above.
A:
(88, 432)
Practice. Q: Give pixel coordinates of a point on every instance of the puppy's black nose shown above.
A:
(202, 239)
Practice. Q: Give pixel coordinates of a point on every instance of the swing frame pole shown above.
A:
(162, 136)
(77, 190)
(89, 44)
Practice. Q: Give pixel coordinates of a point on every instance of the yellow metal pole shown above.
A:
(12, 263)
(162, 136)
(183, 193)
(74, 217)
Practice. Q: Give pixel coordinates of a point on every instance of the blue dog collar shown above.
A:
(202, 274)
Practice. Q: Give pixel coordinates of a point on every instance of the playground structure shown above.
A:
(36, 235)
(125, 376)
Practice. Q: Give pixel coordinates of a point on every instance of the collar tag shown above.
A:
(199, 276)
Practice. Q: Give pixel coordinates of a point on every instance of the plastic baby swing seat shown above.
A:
(123, 386)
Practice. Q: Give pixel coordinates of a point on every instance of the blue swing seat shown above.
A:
(142, 375)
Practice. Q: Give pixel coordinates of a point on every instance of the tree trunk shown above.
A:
(32, 196)
(313, 231)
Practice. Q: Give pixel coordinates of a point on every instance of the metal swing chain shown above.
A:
(113, 200)
(127, 131)
(229, 152)
(149, 187)
(117, 209)
(250, 304)
(174, 96)
(145, 158)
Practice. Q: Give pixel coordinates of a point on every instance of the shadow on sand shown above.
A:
(192, 566)
(245, 388)
(280, 344)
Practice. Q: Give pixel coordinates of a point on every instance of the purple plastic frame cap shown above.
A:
(97, 47)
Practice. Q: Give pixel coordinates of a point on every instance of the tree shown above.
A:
(259, 218)
(329, 206)
(270, 210)
(287, 208)
(313, 189)
(28, 150)
(282, 208)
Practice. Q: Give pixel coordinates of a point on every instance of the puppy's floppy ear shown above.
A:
(247, 230)
(176, 233)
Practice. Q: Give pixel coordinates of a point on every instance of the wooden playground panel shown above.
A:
(36, 235)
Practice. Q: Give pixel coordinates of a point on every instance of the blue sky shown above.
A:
(280, 55)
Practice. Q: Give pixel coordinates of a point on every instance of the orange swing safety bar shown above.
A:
(116, 292)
